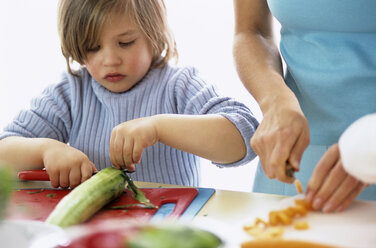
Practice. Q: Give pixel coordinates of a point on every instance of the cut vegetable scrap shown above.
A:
(260, 230)
(50, 195)
(298, 186)
(301, 225)
(273, 228)
(35, 192)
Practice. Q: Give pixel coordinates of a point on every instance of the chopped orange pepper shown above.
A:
(298, 186)
(301, 225)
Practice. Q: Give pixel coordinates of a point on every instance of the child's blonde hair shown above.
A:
(80, 24)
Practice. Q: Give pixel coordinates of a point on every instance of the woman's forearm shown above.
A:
(212, 137)
(257, 58)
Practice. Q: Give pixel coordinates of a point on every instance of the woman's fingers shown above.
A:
(321, 171)
(276, 145)
(344, 193)
(329, 185)
(351, 197)
(298, 149)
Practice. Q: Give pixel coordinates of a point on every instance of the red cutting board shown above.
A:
(37, 204)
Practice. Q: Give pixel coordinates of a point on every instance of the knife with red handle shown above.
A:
(41, 175)
(33, 175)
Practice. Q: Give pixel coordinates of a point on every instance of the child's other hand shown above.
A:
(331, 188)
(66, 165)
(129, 139)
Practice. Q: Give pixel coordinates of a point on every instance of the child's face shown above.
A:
(123, 56)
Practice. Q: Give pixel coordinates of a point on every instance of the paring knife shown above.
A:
(289, 170)
(40, 175)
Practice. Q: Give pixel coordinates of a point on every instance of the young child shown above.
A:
(126, 105)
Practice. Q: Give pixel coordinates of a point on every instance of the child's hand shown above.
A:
(331, 188)
(66, 166)
(129, 139)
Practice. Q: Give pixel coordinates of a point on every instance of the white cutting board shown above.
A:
(354, 227)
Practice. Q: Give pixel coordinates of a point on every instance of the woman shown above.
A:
(330, 81)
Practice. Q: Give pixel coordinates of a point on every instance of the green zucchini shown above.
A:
(88, 198)
(172, 236)
(7, 181)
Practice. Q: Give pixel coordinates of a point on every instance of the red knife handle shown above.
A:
(33, 175)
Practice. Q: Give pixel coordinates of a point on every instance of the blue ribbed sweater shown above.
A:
(81, 112)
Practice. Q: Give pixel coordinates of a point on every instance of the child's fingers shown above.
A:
(112, 150)
(87, 170)
(93, 168)
(116, 150)
(64, 178)
(75, 176)
(54, 178)
(127, 157)
(137, 152)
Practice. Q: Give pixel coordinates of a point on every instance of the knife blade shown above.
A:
(290, 172)
(137, 193)
(40, 175)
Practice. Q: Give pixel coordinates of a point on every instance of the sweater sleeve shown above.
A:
(47, 117)
(195, 96)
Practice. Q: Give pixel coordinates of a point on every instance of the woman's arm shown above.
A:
(257, 58)
(283, 134)
(212, 137)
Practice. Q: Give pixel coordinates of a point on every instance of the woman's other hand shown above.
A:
(331, 188)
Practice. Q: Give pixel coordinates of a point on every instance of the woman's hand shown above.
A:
(129, 139)
(282, 137)
(66, 165)
(330, 187)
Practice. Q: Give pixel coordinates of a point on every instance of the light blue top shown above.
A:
(81, 112)
(330, 51)
(329, 47)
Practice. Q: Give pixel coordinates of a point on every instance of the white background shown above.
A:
(30, 59)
